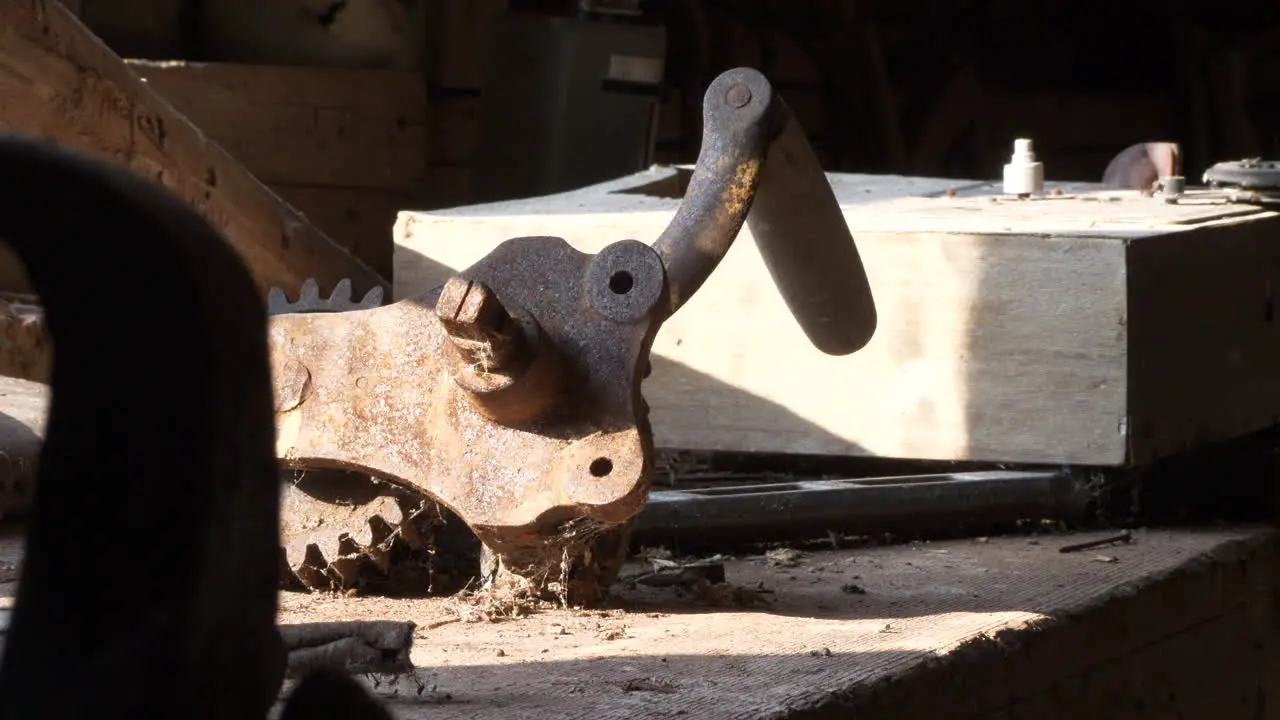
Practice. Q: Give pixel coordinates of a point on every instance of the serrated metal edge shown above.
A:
(309, 300)
(355, 562)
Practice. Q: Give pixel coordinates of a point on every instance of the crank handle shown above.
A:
(757, 166)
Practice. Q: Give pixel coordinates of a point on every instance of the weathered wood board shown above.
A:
(1087, 328)
(1179, 624)
(345, 146)
(58, 81)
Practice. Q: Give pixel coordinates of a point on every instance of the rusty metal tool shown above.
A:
(512, 394)
(185, 491)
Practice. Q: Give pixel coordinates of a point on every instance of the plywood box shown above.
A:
(1088, 328)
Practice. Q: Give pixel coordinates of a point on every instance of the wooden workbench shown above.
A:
(1091, 327)
(1178, 624)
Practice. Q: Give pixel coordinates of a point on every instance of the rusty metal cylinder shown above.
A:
(509, 370)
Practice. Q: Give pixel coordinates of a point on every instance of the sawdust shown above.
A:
(576, 570)
(784, 557)
(509, 597)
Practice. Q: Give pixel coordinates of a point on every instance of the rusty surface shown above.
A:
(757, 167)
(511, 395)
(1140, 166)
(383, 397)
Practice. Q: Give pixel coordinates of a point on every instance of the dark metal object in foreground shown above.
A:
(715, 518)
(512, 394)
(160, 437)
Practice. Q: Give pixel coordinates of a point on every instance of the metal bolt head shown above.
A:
(738, 96)
(465, 304)
(479, 327)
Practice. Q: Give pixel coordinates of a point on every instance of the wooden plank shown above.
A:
(1003, 331)
(670, 125)
(955, 630)
(351, 33)
(60, 82)
(447, 186)
(397, 94)
(305, 126)
(137, 28)
(359, 218)
(1203, 360)
(460, 35)
(455, 127)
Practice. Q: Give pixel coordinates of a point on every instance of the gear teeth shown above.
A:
(341, 294)
(310, 301)
(277, 302)
(343, 532)
(310, 294)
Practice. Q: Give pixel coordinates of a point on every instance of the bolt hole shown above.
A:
(601, 467)
(620, 282)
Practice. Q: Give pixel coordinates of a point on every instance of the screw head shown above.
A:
(738, 96)
(481, 330)
(466, 304)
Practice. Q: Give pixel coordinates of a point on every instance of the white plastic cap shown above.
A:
(1023, 175)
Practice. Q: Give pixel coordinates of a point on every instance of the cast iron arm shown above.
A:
(756, 164)
(512, 393)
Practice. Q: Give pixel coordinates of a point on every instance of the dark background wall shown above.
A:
(930, 87)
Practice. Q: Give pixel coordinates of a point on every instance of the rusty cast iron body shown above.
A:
(168, 459)
(512, 393)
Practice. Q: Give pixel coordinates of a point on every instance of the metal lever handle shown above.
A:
(757, 166)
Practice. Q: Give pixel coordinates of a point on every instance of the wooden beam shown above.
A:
(58, 81)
